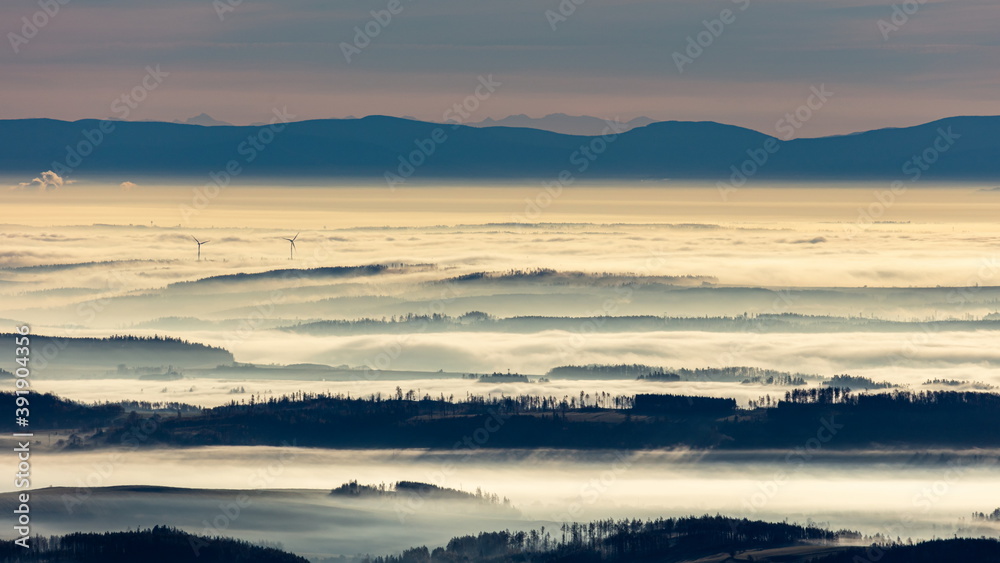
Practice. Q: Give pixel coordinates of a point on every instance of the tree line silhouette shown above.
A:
(609, 541)
(664, 539)
(857, 382)
(686, 539)
(480, 322)
(417, 489)
(742, 374)
(159, 544)
(123, 348)
(841, 418)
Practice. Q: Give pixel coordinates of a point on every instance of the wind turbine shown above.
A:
(200, 242)
(291, 249)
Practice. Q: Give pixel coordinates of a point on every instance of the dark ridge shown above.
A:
(716, 538)
(371, 147)
(557, 276)
(156, 545)
(842, 419)
(54, 412)
(122, 349)
(663, 540)
(297, 273)
(60, 267)
(741, 374)
(478, 321)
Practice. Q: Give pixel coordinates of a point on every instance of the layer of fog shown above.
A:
(870, 491)
(211, 392)
(971, 353)
(773, 238)
(909, 358)
(307, 522)
(805, 244)
(87, 261)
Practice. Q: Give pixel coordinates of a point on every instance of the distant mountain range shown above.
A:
(204, 120)
(555, 122)
(562, 123)
(957, 148)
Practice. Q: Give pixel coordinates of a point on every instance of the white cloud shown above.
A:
(127, 186)
(47, 180)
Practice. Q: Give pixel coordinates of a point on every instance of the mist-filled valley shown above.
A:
(500, 282)
(275, 343)
(286, 492)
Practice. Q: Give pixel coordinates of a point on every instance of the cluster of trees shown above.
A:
(819, 396)
(948, 382)
(742, 374)
(979, 385)
(991, 517)
(157, 406)
(670, 539)
(784, 380)
(764, 402)
(513, 273)
(659, 375)
(602, 371)
(414, 488)
(156, 545)
(155, 339)
(497, 377)
(957, 550)
(53, 412)
(856, 382)
(739, 373)
(942, 399)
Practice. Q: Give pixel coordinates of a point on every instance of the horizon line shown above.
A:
(416, 120)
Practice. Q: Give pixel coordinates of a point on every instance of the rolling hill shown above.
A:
(957, 148)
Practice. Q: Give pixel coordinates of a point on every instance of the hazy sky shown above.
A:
(239, 59)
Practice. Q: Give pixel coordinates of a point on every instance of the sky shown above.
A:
(744, 62)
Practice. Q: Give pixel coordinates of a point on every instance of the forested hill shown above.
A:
(715, 538)
(610, 541)
(156, 545)
(480, 322)
(63, 352)
(837, 418)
